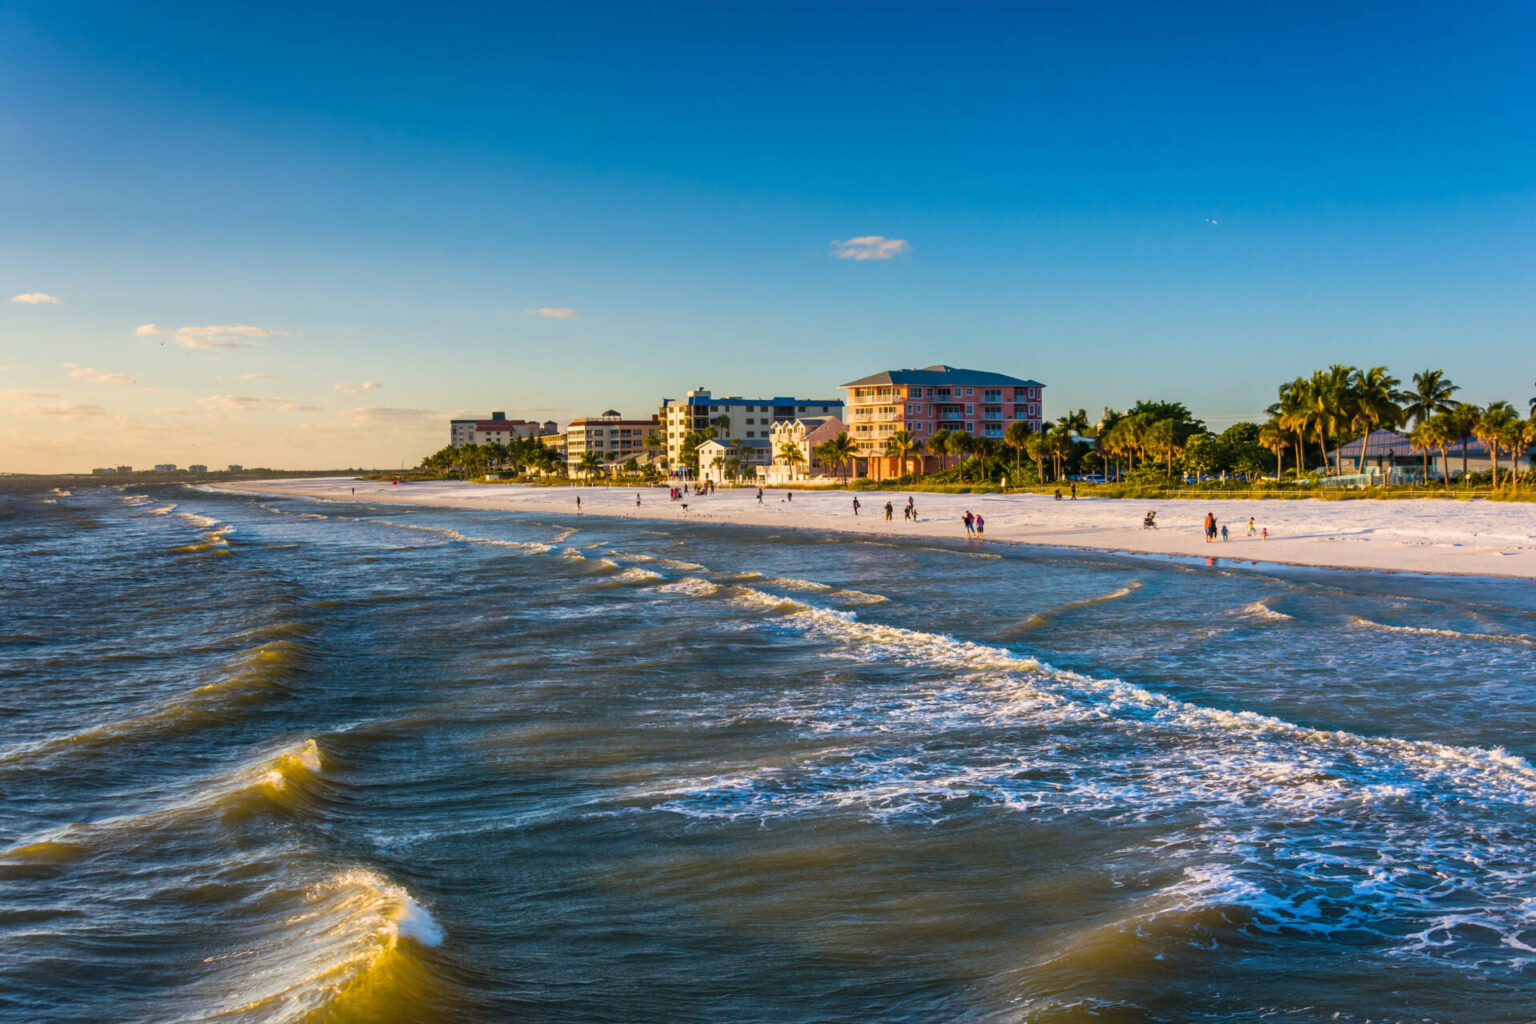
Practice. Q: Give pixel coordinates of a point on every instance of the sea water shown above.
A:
(282, 760)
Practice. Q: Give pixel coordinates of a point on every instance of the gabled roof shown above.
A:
(940, 375)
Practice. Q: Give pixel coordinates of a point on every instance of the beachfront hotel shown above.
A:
(974, 402)
(752, 419)
(610, 435)
(498, 428)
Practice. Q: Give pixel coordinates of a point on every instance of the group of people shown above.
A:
(975, 525)
(909, 512)
(1214, 529)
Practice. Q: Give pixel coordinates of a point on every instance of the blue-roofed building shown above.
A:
(751, 419)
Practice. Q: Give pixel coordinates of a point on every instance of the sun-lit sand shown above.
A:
(1438, 536)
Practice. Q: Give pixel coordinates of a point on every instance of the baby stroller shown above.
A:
(1149, 521)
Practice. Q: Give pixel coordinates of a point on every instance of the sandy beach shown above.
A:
(1423, 536)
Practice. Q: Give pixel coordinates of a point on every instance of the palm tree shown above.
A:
(1062, 447)
(1431, 395)
(1441, 434)
(590, 463)
(1464, 420)
(653, 444)
(1276, 438)
(790, 453)
(1373, 405)
(1039, 448)
(938, 444)
(1016, 436)
(901, 444)
(1492, 429)
(843, 452)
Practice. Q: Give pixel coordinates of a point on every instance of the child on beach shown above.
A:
(1251, 530)
(981, 525)
(1223, 531)
(887, 511)
(1265, 533)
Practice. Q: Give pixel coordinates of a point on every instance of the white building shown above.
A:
(805, 435)
(610, 435)
(750, 419)
(715, 459)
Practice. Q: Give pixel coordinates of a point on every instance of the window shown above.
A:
(970, 428)
(969, 392)
(970, 410)
(751, 433)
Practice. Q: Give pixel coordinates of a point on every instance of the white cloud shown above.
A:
(250, 376)
(35, 299)
(352, 389)
(554, 314)
(870, 247)
(64, 410)
(31, 394)
(211, 336)
(90, 373)
(252, 403)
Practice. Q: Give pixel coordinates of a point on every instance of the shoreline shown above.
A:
(1492, 539)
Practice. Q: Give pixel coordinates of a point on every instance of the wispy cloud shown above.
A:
(252, 403)
(352, 389)
(35, 299)
(552, 313)
(249, 376)
(63, 410)
(384, 415)
(31, 394)
(90, 373)
(211, 336)
(870, 247)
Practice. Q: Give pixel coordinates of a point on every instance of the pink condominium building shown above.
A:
(935, 398)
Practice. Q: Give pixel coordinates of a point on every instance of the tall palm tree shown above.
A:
(1430, 396)
(590, 463)
(1464, 420)
(938, 444)
(843, 453)
(901, 444)
(1492, 429)
(1039, 449)
(1016, 436)
(790, 453)
(1373, 405)
(653, 444)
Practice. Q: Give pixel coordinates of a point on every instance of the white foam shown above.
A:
(1449, 634)
(1261, 610)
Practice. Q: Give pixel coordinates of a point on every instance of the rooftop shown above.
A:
(737, 400)
(940, 375)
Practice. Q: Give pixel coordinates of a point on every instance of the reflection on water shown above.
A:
(269, 760)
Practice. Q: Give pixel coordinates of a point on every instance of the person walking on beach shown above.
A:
(1223, 531)
(637, 501)
(970, 524)
(759, 495)
(578, 503)
(855, 505)
(1210, 527)
(981, 525)
(789, 495)
(912, 509)
(1251, 530)
(888, 511)
(1074, 490)
(1264, 533)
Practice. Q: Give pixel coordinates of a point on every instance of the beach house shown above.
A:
(978, 403)
(722, 461)
(793, 447)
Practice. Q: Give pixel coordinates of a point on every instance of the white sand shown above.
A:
(1431, 536)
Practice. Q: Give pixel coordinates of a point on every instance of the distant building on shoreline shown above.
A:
(165, 467)
(751, 419)
(610, 435)
(498, 428)
(197, 467)
(977, 403)
(805, 435)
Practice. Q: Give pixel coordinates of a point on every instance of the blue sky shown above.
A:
(379, 194)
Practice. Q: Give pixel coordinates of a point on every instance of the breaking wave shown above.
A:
(1449, 634)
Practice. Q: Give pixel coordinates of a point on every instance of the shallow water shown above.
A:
(279, 760)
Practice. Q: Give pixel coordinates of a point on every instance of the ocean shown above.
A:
(277, 760)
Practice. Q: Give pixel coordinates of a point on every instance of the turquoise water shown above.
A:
(278, 760)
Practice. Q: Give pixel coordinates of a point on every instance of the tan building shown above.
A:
(751, 419)
(806, 435)
(612, 436)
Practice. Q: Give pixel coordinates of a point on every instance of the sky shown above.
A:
(286, 236)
